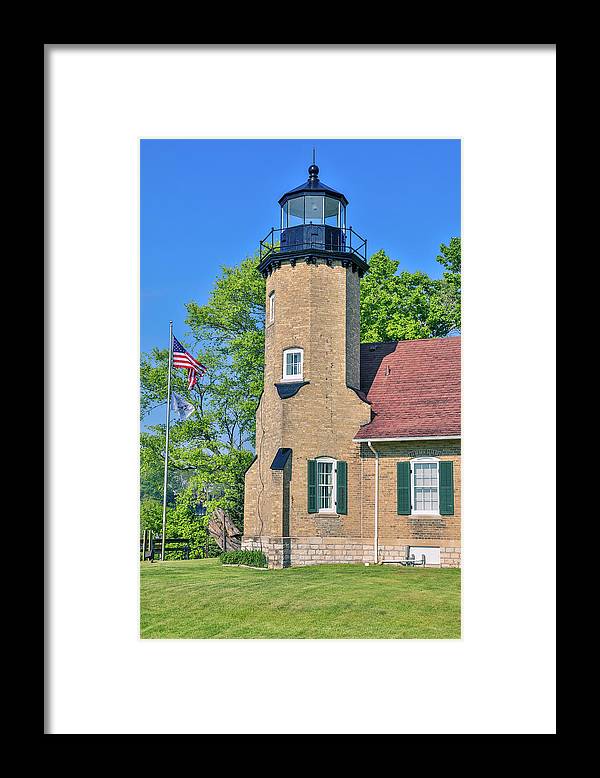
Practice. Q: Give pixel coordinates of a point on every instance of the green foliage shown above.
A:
(449, 295)
(151, 515)
(250, 558)
(405, 306)
(184, 522)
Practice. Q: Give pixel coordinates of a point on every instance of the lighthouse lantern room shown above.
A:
(313, 224)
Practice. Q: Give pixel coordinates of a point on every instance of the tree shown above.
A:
(404, 306)
(393, 306)
(449, 287)
(231, 328)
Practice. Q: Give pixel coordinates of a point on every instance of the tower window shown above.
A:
(271, 307)
(293, 367)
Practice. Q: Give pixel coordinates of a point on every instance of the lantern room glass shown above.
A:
(313, 209)
(295, 211)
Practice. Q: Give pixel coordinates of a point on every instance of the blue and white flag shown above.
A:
(181, 406)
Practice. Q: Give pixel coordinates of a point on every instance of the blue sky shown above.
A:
(205, 203)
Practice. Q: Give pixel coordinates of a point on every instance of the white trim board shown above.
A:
(392, 440)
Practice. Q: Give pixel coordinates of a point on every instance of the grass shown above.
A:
(202, 599)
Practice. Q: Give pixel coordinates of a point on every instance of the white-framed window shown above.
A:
(271, 307)
(293, 367)
(425, 485)
(326, 484)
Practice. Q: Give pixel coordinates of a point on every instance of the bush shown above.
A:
(251, 558)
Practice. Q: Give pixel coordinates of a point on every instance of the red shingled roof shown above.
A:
(413, 387)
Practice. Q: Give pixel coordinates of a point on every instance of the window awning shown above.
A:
(281, 457)
(287, 389)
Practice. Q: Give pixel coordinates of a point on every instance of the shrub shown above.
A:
(251, 558)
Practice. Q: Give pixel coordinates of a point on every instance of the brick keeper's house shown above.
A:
(357, 445)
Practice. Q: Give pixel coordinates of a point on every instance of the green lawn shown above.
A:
(202, 599)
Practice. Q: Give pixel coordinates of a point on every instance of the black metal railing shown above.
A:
(342, 240)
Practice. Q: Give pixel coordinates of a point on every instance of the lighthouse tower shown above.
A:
(302, 492)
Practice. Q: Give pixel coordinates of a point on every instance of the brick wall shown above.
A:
(353, 330)
(414, 530)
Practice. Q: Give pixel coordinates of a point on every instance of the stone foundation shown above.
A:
(450, 557)
(299, 552)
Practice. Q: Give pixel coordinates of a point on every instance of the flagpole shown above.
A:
(164, 516)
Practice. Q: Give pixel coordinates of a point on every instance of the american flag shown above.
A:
(181, 358)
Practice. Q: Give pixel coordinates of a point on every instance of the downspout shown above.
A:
(376, 538)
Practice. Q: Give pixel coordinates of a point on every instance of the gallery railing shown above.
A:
(342, 240)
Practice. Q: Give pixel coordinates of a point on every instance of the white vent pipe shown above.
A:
(376, 538)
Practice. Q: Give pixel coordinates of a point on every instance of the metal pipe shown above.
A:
(376, 531)
(164, 514)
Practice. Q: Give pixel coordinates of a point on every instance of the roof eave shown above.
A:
(392, 439)
(313, 190)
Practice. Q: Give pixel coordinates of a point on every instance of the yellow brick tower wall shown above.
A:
(316, 306)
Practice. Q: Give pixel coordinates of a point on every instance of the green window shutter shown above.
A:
(342, 488)
(312, 485)
(446, 488)
(403, 488)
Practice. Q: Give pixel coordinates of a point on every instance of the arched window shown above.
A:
(272, 307)
(293, 364)
(327, 481)
(425, 485)
(326, 484)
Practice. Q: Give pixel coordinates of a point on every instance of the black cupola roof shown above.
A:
(314, 184)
